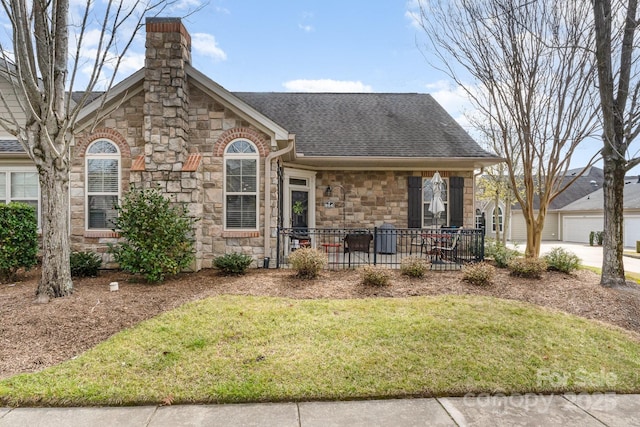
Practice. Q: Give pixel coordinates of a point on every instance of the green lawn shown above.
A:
(241, 349)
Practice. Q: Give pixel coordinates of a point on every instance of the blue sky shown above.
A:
(314, 45)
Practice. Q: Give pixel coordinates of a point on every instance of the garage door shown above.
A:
(631, 230)
(577, 229)
(518, 228)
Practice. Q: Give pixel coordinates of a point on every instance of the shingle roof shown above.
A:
(10, 146)
(366, 124)
(586, 184)
(589, 182)
(595, 200)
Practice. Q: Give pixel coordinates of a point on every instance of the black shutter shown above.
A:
(456, 201)
(415, 202)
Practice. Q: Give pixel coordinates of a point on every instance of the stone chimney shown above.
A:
(166, 105)
(166, 162)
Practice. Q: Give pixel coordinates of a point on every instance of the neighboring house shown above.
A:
(242, 161)
(589, 182)
(584, 215)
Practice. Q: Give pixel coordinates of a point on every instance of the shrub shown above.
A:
(375, 276)
(562, 260)
(592, 237)
(480, 273)
(85, 264)
(18, 239)
(234, 264)
(308, 262)
(413, 267)
(157, 235)
(600, 237)
(528, 267)
(499, 252)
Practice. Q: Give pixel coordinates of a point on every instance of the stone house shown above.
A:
(247, 163)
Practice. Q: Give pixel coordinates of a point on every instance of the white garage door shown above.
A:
(631, 230)
(577, 229)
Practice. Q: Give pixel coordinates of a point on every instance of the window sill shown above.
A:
(231, 234)
(101, 233)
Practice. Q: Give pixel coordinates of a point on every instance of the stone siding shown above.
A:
(374, 198)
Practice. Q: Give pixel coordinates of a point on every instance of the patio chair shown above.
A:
(358, 242)
(422, 241)
(448, 251)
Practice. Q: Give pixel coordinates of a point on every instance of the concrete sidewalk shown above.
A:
(519, 410)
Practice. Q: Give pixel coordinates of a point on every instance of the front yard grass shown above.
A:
(255, 349)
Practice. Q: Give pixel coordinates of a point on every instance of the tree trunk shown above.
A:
(534, 233)
(56, 272)
(612, 248)
(506, 221)
(495, 219)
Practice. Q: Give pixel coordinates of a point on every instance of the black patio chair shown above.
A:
(358, 242)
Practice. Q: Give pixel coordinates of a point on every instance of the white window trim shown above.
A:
(105, 156)
(11, 169)
(228, 156)
(500, 216)
(424, 202)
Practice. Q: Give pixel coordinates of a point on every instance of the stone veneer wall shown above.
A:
(212, 127)
(209, 123)
(123, 127)
(375, 197)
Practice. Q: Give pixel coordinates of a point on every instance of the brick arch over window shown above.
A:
(240, 133)
(111, 135)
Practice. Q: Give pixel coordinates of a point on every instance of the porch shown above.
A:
(443, 248)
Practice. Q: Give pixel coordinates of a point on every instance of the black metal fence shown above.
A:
(443, 248)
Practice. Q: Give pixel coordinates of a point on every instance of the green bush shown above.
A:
(499, 252)
(234, 264)
(562, 260)
(600, 237)
(480, 273)
(85, 264)
(531, 268)
(592, 237)
(18, 239)
(414, 267)
(157, 235)
(308, 262)
(375, 276)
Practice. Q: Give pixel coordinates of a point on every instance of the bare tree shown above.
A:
(619, 88)
(38, 65)
(531, 79)
(495, 184)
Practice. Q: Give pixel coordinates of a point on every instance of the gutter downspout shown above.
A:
(475, 175)
(267, 192)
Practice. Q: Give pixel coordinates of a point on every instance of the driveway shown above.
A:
(590, 255)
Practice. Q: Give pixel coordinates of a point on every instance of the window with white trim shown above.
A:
(102, 184)
(20, 184)
(241, 185)
(493, 219)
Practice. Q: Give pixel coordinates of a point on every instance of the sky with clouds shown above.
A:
(310, 46)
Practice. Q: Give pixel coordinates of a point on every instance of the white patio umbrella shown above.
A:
(437, 205)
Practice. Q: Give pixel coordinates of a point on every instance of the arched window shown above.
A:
(493, 219)
(102, 184)
(241, 185)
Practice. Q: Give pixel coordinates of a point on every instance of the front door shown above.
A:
(299, 205)
(299, 209)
